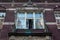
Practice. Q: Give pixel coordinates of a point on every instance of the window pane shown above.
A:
(2, 14)
(58, 21)
(29, 15)
(38, 24)
(38, 15)
(59, 15)
(21, 15)
(27, 23)
(21, 24)
(56, 15)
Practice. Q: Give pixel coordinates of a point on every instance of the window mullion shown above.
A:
(34, 19)
(43, 20)
(25, 19)
(16, 21)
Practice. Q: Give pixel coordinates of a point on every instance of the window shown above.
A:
(29, 20)
(2, 16)
(57, 16)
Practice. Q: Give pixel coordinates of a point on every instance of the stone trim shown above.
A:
(50, 23)
(8, 23)
(12, 23)
(48, 9)
(11, 9)
(30, 8)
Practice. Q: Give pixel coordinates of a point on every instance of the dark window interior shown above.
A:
(29, 23)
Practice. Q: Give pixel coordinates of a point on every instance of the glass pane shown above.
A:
(29, 15)
(59, 15)
(27, 23)
(58, 21)
(21, 21)
(38, 24)
(21, 15)
(38, 15)
(2, 14)
(56, 15)
(21, 24)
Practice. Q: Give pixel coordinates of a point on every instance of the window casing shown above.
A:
(29, 20)
(2, 16)
(57, 17)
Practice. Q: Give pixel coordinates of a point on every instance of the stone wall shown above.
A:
(29, 38)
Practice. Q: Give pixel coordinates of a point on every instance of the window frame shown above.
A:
(57, 18)
(33, 20)
(2, 19)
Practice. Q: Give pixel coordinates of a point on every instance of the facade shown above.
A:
(29, 20)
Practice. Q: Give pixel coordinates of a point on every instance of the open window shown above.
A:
(29, 20)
